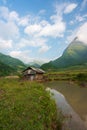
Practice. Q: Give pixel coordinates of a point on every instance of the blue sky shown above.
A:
(40, 30)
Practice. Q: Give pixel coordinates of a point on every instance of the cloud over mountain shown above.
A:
(82, 33)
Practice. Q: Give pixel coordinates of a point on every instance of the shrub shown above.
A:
(81, 77)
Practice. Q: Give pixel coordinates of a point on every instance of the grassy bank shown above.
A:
(26, 106)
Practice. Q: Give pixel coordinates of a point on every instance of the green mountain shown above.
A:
(6, 70)
(9, 65)
(74, 54)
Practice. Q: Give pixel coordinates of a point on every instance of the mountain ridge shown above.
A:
(74, 54)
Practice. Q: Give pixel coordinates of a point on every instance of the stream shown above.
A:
(73, 120)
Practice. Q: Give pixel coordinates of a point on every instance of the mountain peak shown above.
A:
(74, 54)
(75, 39)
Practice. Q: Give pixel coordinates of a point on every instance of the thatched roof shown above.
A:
(37, 70)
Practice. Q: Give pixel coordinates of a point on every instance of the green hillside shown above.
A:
(6, 70)
(75, 54)
(12, 62)
(10, 65)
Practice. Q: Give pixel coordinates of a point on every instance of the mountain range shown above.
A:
(75, 54)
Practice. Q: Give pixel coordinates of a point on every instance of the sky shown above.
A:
(40, 30)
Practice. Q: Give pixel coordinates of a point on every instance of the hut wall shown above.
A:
(29, 77)
(39, 76)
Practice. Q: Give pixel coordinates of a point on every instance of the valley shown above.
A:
(43, 65)
(67, 75)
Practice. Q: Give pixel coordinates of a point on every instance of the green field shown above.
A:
(26, 106)
(77, 73)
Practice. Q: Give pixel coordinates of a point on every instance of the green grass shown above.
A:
(26, 106)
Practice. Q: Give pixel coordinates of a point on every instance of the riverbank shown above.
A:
(74, 94)
(72, 119)
(26, 106)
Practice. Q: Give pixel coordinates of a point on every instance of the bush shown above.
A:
(81, 77)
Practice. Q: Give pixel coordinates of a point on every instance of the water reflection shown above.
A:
(73, 121)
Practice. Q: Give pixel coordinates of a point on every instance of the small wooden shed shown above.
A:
(32, 73)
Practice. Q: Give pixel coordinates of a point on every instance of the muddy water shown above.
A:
(73, 103)
(73, 121)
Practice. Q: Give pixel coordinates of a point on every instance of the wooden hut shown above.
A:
(32, 73)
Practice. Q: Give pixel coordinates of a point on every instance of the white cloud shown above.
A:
(33, 42)
(22, 55)
(71, 37)
(25, 56)
(8, 30)
(8, 15)
(45, 29)
(59, 9)
(41, 12)
(82, 33)
(4, 12)
(81, 18)
(44, 49)
(23, 21)
(84, 3)
(8, 27)
(15, 53)
(37, 30)
(39, 27)
(54, 27)
(10, 23)
(69, 8)
(39, 43)
(71, 22)
(32, 29)
(5, 44)
(53, 30)
(13, 16)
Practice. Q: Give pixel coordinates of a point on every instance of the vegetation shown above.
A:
(26, 106)
(75, 54)
(72, 73)
(81, 77)
(10, 65)
(12, 62)
(6, 70)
